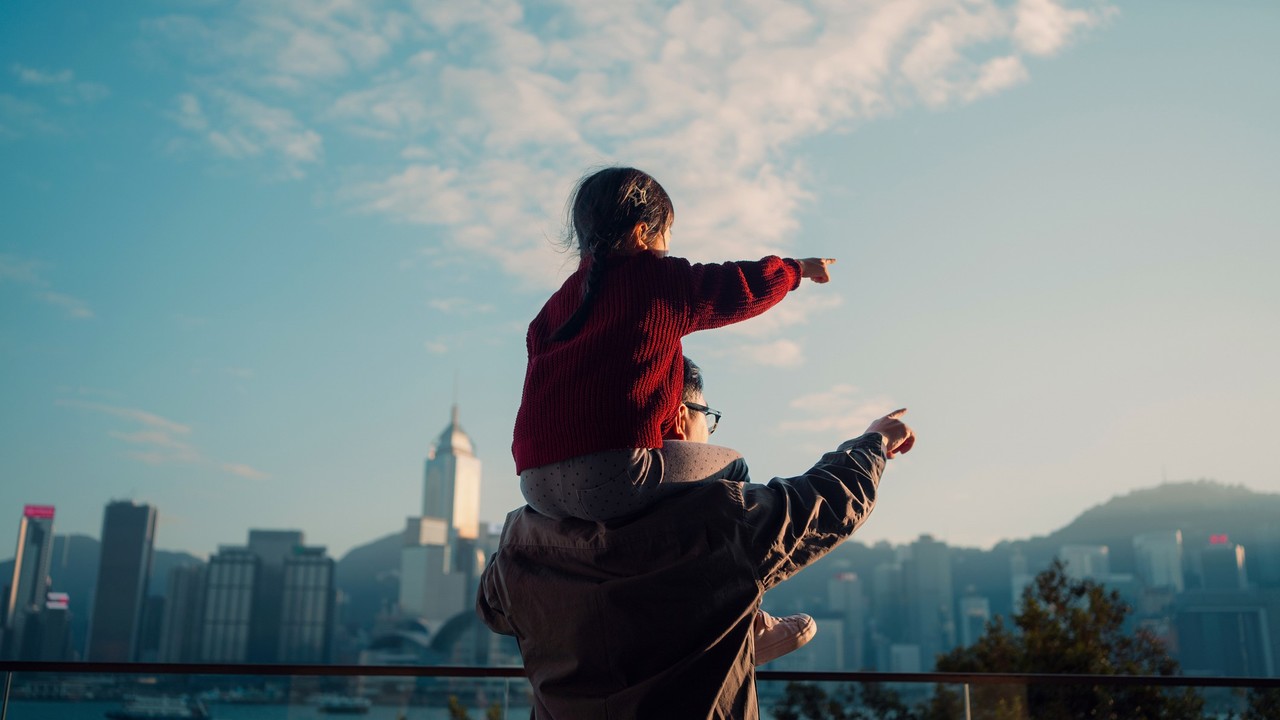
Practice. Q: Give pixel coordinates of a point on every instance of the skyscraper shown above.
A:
(124, 570)
(1222, 565)
(1158, 559)
(451, 481)
(931, 617)
(270, 601)
(975, 613)
(30, 581)
(438, 563)
(847, 599)
(183, 615)
(1086, 562)
(307, 612)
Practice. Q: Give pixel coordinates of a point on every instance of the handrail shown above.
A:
(945, 678)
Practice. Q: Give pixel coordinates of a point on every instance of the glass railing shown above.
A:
(112, 691)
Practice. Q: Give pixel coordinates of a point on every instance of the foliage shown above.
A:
(456, 709)
(804, 701)
(1068, 626)
(1264, 704)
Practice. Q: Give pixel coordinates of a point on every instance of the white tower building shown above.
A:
(437, 562)
(451, 481)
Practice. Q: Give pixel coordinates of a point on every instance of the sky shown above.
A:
(252, 252)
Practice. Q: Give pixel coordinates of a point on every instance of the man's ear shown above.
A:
(680, 431)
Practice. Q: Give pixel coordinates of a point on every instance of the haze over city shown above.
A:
(251, 254)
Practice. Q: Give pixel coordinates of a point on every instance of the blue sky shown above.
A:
(247, 248)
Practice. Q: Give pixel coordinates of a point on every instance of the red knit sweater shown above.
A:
(618, 381)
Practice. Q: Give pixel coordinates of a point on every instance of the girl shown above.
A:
(605, 372)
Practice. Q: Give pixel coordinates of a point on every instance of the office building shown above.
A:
(847, 600)
(930, 600)
(442, 554)
(1228, 633)
(124, 570)
(1157, 558)
(228, 605)
(183, 619)
(451, 481)
(1086, 562)
(29, 584)
(307, 614)
(1222, 565)
(975, 613)
(272, 600)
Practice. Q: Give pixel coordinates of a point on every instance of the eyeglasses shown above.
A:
(713, 416)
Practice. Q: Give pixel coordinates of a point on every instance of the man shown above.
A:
(653, 616)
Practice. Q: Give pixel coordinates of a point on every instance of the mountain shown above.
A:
(368, 577)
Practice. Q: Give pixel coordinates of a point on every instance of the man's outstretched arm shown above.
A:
(792, 522)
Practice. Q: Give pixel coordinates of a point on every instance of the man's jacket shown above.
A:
(651, 616)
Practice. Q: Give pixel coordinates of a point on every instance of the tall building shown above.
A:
(228, 605)
(183, 615)
(930, 599)
(124, 570)
(847, 599)
(270, 601)
(975, 613)
(307, 615)
(29, 584)
(1086, 562)
(1222, 565)
(451, 481)
(440, 559)
(1229, 632)
(1157, 559)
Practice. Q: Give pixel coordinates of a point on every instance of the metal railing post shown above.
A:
(4, 702)
(968, 713)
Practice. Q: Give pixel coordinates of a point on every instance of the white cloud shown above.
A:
(32, 76)
(796, 309)
(435, 347)
(458, 306)
(243, 127)
(166, 442)
(1043, 27)
(498, 111)
(26, 272)
(779, 353)
(75, 307)
(840, 411)
(244, 471)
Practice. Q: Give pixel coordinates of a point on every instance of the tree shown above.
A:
(1263, 704)
(1068, 626)
(805, 701)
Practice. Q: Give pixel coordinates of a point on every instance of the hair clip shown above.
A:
(638, 195)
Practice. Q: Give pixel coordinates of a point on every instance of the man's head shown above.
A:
(691, 424)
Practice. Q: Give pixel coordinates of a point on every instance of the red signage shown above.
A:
(1218, 539)
(38, 512)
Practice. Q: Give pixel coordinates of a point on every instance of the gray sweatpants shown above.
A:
(614, 483)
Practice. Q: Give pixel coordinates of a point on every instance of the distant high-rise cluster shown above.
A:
(886, 607)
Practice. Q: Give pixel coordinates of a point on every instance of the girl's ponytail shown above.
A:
(607, 206)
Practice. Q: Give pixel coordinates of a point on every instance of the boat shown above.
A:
(343, 705)
(161, 707)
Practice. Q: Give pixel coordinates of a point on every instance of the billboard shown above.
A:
(38, 512)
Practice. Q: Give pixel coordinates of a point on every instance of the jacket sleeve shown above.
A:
(725, 293)
(489, 605)
(791, 523)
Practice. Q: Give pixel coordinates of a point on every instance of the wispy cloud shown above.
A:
(495, 110)
(842, 410)
(27, 273)
(159, 440)
(245, 127)
(63, 83)
(459, 306)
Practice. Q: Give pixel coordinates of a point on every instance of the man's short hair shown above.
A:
(692, 380)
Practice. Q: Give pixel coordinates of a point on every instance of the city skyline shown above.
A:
(246, 249)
